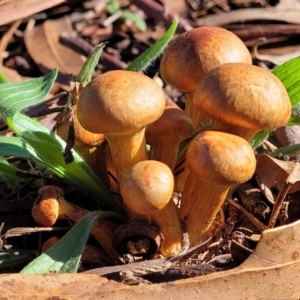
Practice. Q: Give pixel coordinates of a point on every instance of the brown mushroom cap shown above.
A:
(221, 158)
(147, 186)
(120, 101)
(243, 95)
(194, 53)
(173, 122)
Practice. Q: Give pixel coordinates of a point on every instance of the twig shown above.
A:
(7, 36)
(82, 46)
(157, 11)
(259, 225)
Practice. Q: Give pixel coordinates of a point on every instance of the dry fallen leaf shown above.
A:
(43, 45)
(272, 173)
(271, 272)
(12, 10)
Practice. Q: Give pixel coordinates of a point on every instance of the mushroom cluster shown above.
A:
(213, 68)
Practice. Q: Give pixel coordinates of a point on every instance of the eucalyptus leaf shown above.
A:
(15, 97)
(142, 62)
(47, 148)
(64, 257)
(88, 68)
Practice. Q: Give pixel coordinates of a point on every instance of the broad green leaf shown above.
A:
(259, 138)
(142, 62)
(64, 257)
(88, 68)
(289, 74)
(15, 97)
(47, 148)
(14, 258)
(15, 146)
(8, 173)
(138, 21)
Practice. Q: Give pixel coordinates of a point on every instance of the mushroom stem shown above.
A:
(127, 150)
(167, 221)
(51, 205)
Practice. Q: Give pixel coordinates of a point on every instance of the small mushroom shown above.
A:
(243, 99)
(50, 206)
(147, 188)
(217, 161)
(165, 135)
(120, 104)
(192, 54)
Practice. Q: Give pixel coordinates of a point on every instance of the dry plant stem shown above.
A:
(51, 206)
(278, 203)
(155, 9)
(259, 225)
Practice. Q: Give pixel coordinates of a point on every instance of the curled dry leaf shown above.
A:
(11, 10)
(43, 45)
(277, 173)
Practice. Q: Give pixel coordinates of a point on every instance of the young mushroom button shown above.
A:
(243, 99)
(147, 188)
(217, 161)
(192, 54)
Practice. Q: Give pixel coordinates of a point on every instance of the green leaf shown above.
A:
(14, 258)
(15, 146)
(291, 150)
(139, 22)
(64, 257)
(112, 6)
(88, 68)
(16, 96)
(259, 138)
(8, 173)
(142, 62)
(47, 148)
(294, 121)
(289, 74)
(3, 79)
